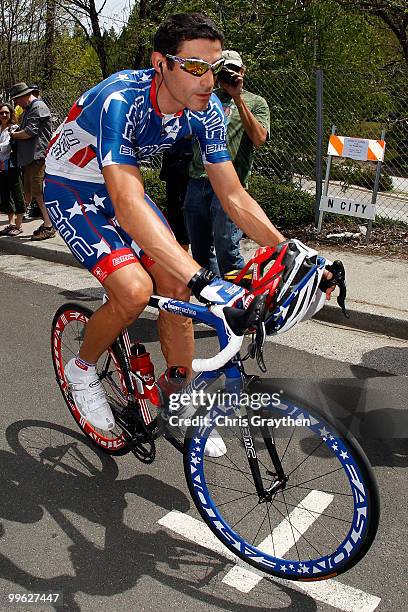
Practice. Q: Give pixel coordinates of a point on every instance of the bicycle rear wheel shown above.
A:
(319, 525)
(66, 337)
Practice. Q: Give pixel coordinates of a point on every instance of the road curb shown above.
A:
(364, 321)
(29, 248)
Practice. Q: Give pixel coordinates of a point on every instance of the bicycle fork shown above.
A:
(280, 478)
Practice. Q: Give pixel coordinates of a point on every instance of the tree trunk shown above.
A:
(97, 40)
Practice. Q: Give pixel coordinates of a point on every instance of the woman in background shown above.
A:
(11, 189)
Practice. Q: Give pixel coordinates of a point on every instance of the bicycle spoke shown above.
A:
(270, 527)
(260, 526)
(320, 489)
(316, 515)
(317, 477)
(234, 500)
(306, 458)
(245, 515)
(291, 527)
(312, 512)
(214, 484)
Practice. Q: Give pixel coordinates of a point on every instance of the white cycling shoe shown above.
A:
(89, 396)
(215, 445)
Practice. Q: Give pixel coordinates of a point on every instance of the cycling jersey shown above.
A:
(119, 122)
(116, 122)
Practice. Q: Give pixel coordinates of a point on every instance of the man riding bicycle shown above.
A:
(95, 197)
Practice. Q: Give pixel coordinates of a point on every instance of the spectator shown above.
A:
(35, 90)
(32, 141)
(248, 121)
(11, 189)
(174, 172)
(33, 210)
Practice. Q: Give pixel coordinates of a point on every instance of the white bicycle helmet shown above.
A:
(290, 274)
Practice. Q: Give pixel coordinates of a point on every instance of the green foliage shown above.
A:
(286, 205)
(350, 172)
(77, 66)
(154, 187)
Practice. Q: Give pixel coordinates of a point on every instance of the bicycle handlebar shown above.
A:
(236, 322)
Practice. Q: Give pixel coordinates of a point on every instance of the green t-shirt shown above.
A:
(240, 146)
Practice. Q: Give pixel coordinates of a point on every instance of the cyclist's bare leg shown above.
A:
(175, 332)
(129, 290)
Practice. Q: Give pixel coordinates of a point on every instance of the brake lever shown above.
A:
(255, 349)
(259, 343)
(339, 279)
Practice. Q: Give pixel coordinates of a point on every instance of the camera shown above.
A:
(228, 76)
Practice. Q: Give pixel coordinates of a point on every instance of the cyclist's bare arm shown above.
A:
(240, 206)
(244, 210)
(125, 187)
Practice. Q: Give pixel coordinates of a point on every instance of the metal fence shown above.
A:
(293, 155)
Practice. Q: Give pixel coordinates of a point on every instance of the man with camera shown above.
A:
(248, 122)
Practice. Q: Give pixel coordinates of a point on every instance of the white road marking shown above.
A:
(283, 537)
(331, 592)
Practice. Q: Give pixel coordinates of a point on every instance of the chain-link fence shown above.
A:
(358, 106)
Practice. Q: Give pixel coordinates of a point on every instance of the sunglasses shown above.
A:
(4, 113)
(197, 67)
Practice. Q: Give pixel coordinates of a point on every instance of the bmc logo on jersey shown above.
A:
(124, 150)
(214, 148)
(116, 261)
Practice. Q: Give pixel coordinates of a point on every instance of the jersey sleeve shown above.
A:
(210, 129)
(117, 127)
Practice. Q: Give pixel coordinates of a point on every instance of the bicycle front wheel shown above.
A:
(67, 333)
(319, 524)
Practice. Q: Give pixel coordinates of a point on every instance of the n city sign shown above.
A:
(342, 206)
(362, 150)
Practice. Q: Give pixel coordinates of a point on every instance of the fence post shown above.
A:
(319, 140)
(375, 191)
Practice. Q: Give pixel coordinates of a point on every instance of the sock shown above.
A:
(83, 365)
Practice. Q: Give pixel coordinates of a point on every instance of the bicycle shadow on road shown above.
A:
(45, 480)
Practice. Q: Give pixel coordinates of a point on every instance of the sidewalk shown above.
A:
(377, 288)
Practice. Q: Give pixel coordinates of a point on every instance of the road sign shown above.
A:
(363, 149)
(342, 206)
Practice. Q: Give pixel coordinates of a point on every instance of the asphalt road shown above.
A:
(74, 521)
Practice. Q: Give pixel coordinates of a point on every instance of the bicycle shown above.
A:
(298, 502)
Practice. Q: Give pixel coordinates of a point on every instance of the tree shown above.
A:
(392, 13)
(21, 27)
(86, 15)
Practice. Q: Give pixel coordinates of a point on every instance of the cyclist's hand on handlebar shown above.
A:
(227, 302)
(328, 276)
(210, 289)
(335, 277)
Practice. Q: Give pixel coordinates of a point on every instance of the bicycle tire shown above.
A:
(278, 541)
(75, 316)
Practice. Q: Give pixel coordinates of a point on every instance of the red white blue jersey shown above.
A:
(118, 122)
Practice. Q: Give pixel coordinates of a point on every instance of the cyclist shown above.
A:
(95, 197)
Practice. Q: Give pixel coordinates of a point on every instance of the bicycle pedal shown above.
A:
(154, 429)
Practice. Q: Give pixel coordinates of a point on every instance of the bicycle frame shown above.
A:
(235, 381)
